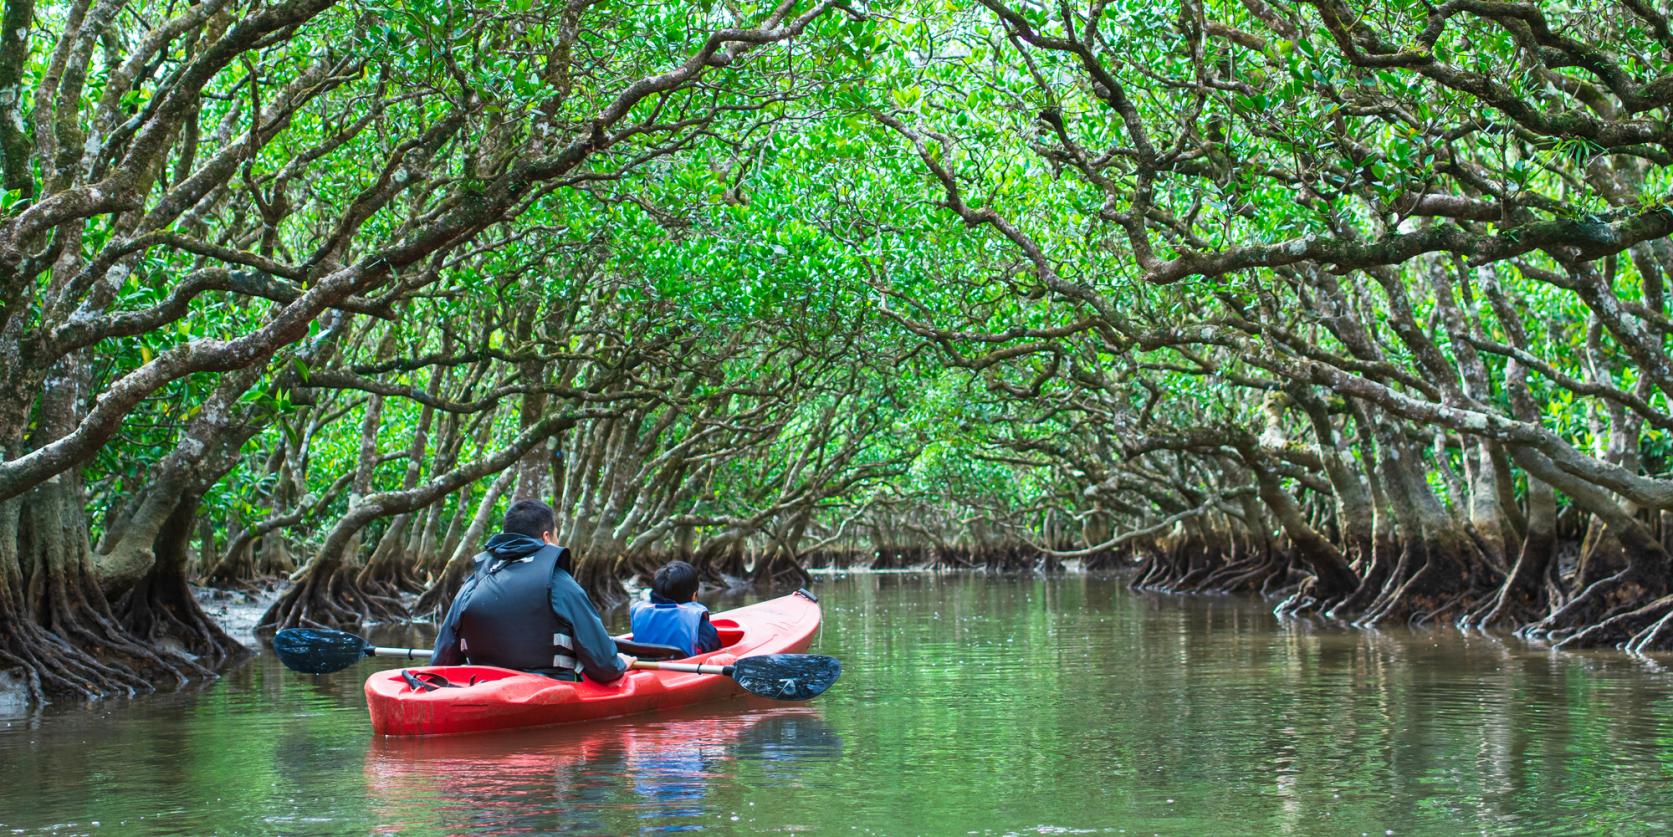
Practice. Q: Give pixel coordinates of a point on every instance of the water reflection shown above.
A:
(677, 772)
(969, 705)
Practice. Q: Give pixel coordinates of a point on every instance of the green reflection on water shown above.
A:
(967, 705)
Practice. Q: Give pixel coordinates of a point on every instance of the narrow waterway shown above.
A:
(967, 705)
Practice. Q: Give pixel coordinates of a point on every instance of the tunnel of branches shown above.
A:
(1358, 307)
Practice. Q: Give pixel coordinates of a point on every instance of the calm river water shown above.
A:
(967, 705)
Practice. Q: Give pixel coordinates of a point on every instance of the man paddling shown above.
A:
(522, 609)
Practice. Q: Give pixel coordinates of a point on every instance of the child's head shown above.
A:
(676, 580)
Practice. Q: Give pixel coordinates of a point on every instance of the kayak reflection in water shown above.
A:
(522, 609)
(610, 778)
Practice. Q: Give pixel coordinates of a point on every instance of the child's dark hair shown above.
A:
(676, 580)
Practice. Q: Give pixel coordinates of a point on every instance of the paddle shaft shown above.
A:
(409, 653)
(689, 668)
(414, 653)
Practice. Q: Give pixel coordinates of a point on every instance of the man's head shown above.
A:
(531, 517)
(676, 580)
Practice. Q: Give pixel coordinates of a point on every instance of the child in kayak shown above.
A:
(673, 616)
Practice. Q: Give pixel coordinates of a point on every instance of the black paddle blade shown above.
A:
(318, 652)
(787, 676)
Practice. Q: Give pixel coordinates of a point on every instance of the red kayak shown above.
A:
(502, 698)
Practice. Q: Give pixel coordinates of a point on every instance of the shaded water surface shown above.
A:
(967, 705)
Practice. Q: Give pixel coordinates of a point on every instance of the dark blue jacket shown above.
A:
(594, 646)
(684, 625)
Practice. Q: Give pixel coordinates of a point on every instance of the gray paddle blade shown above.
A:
(318, 652)
(787, 676)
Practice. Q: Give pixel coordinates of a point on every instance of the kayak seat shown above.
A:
(730, 632)
(648, 651)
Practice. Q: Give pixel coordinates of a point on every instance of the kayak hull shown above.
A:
(499, 699)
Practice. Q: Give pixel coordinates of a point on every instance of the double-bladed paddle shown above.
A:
(777, 676)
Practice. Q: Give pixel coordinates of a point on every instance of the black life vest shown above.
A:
(509, 622)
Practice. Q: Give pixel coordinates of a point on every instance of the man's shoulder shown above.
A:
(565, 586)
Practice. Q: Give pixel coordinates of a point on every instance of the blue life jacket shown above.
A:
(665, 622)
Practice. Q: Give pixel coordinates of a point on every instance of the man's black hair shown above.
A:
(530, 517)
(676, 580)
